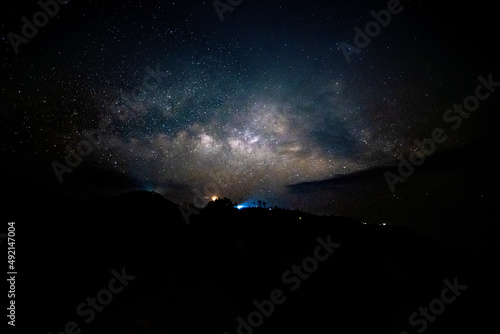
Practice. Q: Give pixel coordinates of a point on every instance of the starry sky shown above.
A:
(263, 104)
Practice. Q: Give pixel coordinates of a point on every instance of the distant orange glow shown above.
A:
(214, 198)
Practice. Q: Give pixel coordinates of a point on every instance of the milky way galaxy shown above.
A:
(246, 107)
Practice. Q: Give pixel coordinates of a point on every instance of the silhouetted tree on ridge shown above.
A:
(221, 203)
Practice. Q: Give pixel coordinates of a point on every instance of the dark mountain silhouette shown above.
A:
(203, 275)
(450, 197)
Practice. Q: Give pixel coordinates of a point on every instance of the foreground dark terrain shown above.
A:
(202, 276)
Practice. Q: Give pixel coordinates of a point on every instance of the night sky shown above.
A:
(264, 104)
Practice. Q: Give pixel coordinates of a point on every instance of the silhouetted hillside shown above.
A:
(202, 276)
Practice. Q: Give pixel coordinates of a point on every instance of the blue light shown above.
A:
(244, 205)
